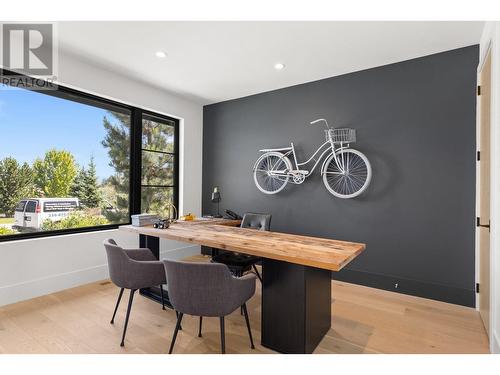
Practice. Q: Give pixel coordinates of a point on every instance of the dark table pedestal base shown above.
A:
(153, 244)
(296, 306)
(154, 294)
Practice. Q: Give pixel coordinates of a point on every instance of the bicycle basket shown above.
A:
(344, 135)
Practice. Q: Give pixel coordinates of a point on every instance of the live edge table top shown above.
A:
(224, 234)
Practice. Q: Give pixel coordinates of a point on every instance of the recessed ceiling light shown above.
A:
(160, 54)
(279, 66)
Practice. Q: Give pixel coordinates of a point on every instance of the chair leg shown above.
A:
(130, 300)
(177, 314)
(117, 304)
(222, 336)
(177, 327)
(244, 306)
(257, 273)
(162, 299)
(199, 330)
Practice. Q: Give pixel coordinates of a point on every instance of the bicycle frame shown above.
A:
(326, 148)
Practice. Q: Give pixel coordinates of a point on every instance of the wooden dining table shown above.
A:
(296, 272)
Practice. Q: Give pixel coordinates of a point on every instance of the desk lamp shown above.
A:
(216, 198)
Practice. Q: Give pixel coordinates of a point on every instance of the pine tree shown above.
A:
(117, 141)
(78, 187)
(85, 186)
(91, 186)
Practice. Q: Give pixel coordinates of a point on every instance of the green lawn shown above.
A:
(6, 220)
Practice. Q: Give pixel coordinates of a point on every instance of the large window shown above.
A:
(72, 162)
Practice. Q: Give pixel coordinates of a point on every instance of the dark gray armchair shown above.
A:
(133, 269)
(241, 263)
(207, 289)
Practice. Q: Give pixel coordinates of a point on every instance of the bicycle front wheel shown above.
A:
(271, 172)
(347, 174)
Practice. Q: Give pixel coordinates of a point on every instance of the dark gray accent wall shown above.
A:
(415, 121)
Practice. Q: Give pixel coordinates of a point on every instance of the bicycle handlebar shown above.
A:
(320, 120)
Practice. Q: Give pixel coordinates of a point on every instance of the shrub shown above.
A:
(76, 219)
(5, 230)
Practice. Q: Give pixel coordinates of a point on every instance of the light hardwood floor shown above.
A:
(364, 320)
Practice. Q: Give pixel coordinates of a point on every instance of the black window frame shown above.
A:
(175, 186)
(136, 114)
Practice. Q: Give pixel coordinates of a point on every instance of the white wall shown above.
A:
(34, 267)
(491, 39)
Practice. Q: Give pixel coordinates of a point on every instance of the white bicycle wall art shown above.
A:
(346, 172)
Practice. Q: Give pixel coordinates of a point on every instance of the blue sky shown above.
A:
(32, 123)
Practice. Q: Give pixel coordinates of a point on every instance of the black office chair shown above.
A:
(240, 263)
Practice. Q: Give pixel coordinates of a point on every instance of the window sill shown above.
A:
(63, 232)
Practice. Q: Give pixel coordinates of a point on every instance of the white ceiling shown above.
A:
(215, 61)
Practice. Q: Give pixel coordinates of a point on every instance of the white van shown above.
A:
(31, 213)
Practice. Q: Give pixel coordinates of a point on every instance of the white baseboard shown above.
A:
(50, 284)
(495, 344)
(54, 283)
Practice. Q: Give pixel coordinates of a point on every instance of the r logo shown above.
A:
(28, 48)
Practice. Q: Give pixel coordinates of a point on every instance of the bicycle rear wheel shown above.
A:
(347, 174)
(270, 173)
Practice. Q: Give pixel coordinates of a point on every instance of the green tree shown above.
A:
(85, 186)
(117, 141)
(92, 195)
(78, 186)
(54, 174)
(16, 182)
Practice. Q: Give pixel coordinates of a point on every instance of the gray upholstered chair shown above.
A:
(207, 289)
(133, 269)
(241, 263)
